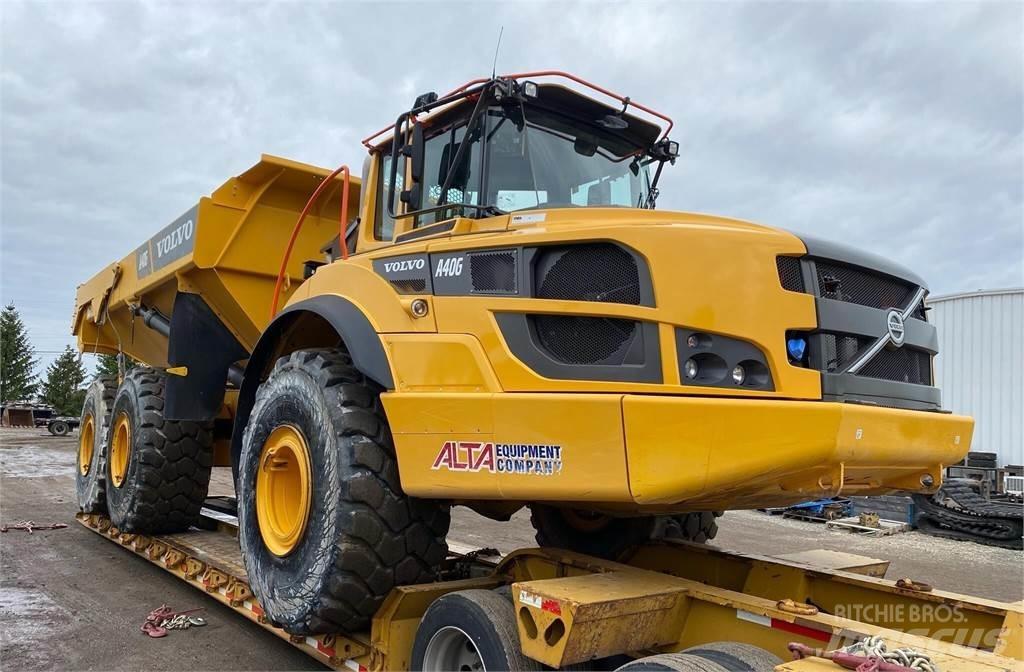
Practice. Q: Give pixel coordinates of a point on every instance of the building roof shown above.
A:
(976, 292)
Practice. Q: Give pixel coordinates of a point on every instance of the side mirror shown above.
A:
(415, 152)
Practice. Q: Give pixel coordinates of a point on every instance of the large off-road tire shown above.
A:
(738, 656)
(325, 529)
(157, 470)
(469, 630)
(91, 465)
(610, 537)
(674, 662)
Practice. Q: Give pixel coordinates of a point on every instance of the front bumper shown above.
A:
(633, 453)
(734, 454)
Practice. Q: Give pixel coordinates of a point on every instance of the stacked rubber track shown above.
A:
(956, 511)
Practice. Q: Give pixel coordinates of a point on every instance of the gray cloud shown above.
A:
(896, 127)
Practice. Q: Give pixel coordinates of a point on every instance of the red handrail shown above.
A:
(544, 73)
(298, 226)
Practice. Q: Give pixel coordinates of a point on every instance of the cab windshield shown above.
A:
(546, 160)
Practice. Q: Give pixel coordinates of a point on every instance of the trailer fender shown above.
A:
(350, 325)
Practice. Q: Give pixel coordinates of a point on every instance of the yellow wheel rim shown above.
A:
(120, 449)
(283, 490)
(86, 443)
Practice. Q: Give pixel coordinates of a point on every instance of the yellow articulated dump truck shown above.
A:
(493, 314)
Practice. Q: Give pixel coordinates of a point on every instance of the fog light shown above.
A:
(690, 369)
(738, 375)
(530, 89)
(692, 341)
(796, 348)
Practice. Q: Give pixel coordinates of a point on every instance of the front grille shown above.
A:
(790, 275)
(493, 272)
(904, 365)
(838, 351)
(833, 353)
(856, 285)
(589, 272)
(574, 339)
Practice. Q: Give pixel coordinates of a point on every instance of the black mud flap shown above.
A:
(200, 342)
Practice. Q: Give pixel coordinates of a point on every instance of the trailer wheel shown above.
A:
(324, 527)
(469, 630)
(736, 656)
(90, 471)
(609, 537)
(677, 662)
(157, 470)
(59, 428)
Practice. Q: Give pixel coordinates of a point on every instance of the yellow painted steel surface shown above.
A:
(120, 449)
(694, 453)
(86, 444)
(284, 490)
(232, 243)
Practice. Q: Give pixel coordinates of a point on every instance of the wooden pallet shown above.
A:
(852, 524)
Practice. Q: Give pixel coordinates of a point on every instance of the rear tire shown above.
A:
(59, 428)
(469, 630)
(157, 470)
(609, 537)
(91, 465)
(343, 532)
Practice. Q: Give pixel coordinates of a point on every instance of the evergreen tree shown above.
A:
(106, 365)
(17, 358)
(62, 388)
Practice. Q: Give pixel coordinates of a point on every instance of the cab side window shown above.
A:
(464, 187)
(384, 225)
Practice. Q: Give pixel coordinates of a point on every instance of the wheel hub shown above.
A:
(452, 649)
(283, 490)
(86, 443)
(120, 449)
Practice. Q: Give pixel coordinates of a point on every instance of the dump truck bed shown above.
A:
(664, 597)
(227, 247)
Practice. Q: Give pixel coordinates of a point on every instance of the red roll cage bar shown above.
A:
(368, 141)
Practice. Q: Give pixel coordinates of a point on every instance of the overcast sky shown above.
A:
(893, 127)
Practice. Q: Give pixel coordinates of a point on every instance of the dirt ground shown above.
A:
(71, 600)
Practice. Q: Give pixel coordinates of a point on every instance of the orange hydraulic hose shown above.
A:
(298, 226)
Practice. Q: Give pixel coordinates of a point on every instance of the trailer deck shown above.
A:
(665, 597)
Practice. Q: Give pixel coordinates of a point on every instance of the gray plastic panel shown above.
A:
(405, 267)
(732, 350)
(854, 319)
(846, 387)
(826, 249)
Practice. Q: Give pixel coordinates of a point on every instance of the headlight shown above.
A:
(738, 374)
(690, 368)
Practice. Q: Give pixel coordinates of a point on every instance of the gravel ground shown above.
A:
(70, 600)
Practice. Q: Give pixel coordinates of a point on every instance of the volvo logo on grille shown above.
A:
(894, 321)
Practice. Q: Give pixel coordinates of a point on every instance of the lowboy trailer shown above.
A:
(565, 610)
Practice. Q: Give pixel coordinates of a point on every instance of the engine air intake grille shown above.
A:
(855, 285)
(410, 285)
(493, 272)
(589, 272)
(574, 339)
(790, 274)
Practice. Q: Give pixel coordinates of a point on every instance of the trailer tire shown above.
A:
(339, 551)
(157, 470)
(675, 662)
(91, 465)
(467, 627)
(608, 537)
(737, 656)
(59, 428)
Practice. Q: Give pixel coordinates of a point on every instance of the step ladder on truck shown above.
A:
(493, 314)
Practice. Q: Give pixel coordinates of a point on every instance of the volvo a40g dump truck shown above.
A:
(492, 314)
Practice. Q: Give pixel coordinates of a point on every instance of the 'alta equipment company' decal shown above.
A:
(501, 458)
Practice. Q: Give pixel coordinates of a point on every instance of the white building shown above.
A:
(980, 366)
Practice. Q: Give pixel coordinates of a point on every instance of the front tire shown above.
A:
(157, 470)
(324, 527)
